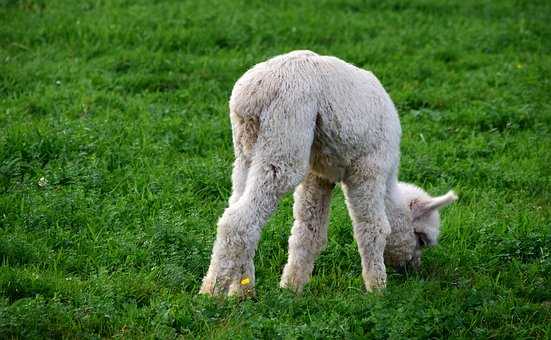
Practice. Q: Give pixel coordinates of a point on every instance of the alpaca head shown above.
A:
(415, 222)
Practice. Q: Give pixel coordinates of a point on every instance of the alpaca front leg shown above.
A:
(365, 201)
(309, 233)
(371, 239)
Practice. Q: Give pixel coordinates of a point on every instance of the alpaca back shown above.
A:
(353, 114)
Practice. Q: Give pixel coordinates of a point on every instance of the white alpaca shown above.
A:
(306, 120)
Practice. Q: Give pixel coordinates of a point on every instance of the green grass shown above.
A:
(121, 106)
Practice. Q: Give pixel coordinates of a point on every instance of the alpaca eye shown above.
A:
(422, 239)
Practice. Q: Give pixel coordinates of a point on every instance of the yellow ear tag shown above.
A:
(245, 281)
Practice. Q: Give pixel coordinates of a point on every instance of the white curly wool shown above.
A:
(311, 121)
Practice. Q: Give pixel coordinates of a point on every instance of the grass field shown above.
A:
(115, 160)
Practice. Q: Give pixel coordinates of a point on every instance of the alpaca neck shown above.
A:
(396, 209)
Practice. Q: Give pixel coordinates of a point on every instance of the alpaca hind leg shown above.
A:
(279, 162)
(244, 135)
(239, 177)
(231, 270)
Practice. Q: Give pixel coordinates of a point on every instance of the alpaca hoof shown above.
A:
(207, 288)
(294, 278)
(241, 287)
(375, 283)
(291, 285)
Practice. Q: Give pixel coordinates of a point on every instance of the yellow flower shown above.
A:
(245, 281)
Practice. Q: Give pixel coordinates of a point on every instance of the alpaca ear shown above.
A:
(442, 201)
(420, 207)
